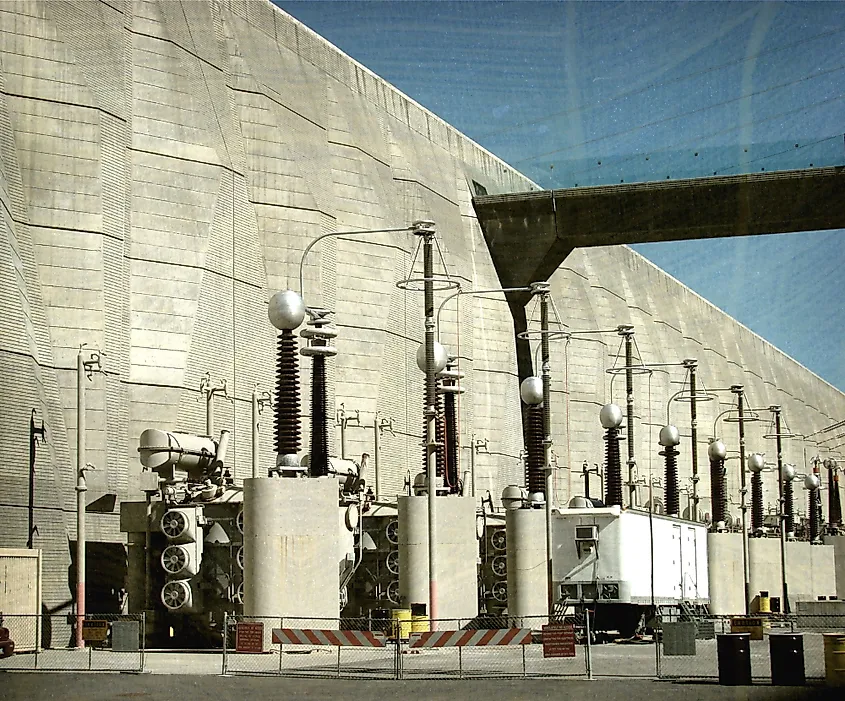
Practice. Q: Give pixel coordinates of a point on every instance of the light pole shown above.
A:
(87, 363)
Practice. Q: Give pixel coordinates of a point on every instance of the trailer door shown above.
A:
(689, 568)
(677, 562)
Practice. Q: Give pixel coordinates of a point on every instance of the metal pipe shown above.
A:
(430, 420)
(784, 587)
(472, 467)
(255, 433)
(472, 292)
(547, 439)
(691, 365)
(743, 491)
(148, 544)
(209, 412)
(81, 489)
(377, 476)
(629, 390)
(338, 233)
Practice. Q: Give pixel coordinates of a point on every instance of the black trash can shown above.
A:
(786, 653)
(734, 653)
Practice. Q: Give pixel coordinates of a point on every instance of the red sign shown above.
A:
(559, 640)
(249, 637)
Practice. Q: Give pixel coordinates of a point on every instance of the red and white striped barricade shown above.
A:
(470, 638)
(337, 638)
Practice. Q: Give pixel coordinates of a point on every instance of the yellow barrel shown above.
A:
(834, 659)
(419, 624)
(764, 603)
(401, 623)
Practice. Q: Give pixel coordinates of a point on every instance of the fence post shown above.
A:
(38, 636)
(225, 641)
(460, 663)
(588, 657)
(524, 673)
(338, 661)
(281, 645)
(658, 641)
(143, 639)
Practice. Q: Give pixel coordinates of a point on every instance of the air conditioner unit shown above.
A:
(586, 533)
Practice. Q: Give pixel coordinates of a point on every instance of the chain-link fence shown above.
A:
(792, 646)
(111, 642)
(404, 648)
(310, 647)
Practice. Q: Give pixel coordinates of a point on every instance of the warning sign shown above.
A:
(249, 637)
(559, 640)
(95, 631)
(754, 626)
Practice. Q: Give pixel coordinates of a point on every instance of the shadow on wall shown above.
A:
(106, 569)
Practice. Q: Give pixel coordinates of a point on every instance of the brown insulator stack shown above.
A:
(535, 479)
(669, 438)
(287, 396)
(611, 420)
(716, 451)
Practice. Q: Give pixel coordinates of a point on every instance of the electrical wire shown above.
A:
(689, 113)
(650, 86)
(728, 130)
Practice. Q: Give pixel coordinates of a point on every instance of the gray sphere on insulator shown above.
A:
(716, 450)
(441, 357)
(788, 472)
(610, 416)
(830, 463)
(286, 310)
(669, 436)
(755, 462)
(531, 390)
(811, 482)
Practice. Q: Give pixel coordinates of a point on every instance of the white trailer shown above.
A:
(622, 563)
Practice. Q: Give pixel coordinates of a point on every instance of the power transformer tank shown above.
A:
(624, 564)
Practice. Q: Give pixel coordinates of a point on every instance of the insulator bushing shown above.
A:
(788, 508)
(451, 443)
(673, 496)
(613, 469)
(440, 437)
(319, 466)
(287, 396)
(756, 501)
(535, 479)
(813, 510)
(718, 491)
(834, 505)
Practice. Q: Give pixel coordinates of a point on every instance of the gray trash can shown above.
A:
(734, 653)
(786, 653)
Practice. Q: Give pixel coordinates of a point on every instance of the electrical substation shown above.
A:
(305, 352)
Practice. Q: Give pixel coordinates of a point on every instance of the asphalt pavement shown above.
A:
(154, 687)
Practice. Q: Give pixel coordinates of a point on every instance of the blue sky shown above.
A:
(592, 93)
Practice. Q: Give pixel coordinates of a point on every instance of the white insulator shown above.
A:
(286, 310)
(326, 351)
(788, 472)
(717, 450)
(451, 389)
(811, 482)
(755, 462)
(610, 416)
(451, 375)
(531, 390)
(319, 332)
(441, 357)
(669, 436)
